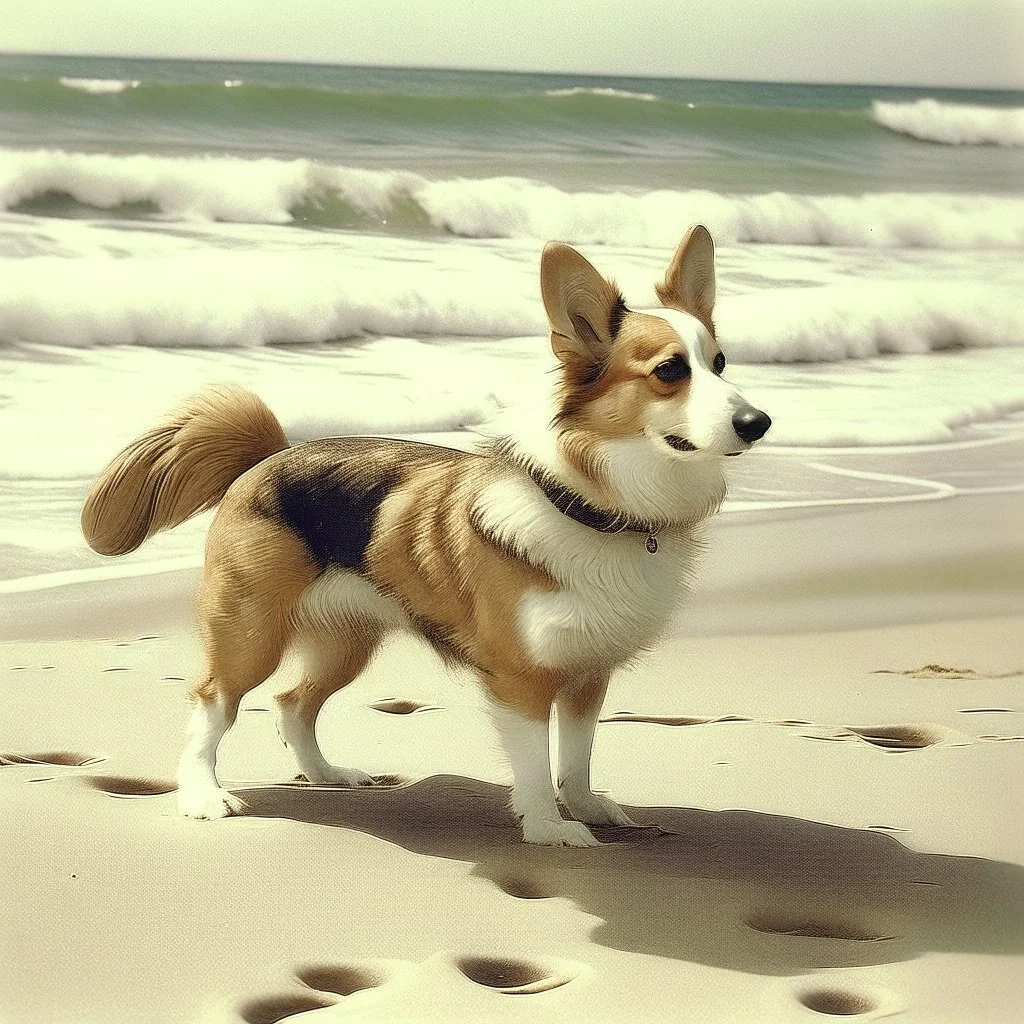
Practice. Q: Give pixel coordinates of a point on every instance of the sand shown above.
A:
(827, 756)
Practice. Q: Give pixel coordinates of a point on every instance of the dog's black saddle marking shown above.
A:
(333, 515)
(329, 492)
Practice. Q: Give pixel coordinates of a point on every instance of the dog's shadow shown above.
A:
(743, 890)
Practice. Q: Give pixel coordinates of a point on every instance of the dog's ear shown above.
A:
(583, 309)
(689, 283)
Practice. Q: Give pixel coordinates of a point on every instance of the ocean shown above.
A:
(360, 246)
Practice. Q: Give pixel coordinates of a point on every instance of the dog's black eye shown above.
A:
(672, 370)
(719, 364)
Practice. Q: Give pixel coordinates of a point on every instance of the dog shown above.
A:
(543, 560)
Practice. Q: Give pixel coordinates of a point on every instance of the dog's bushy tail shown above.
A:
(181, 467)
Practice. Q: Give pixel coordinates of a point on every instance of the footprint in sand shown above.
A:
(328, 984)
(522, 888)
(813, 927)
(837, 1002)
(401, 706)
(125, 786)
(271, 1009)
(895, 738)
(510, 976)
(632, 716)
(325, 982)
(898, 737)
(60, 758)
(340, 979)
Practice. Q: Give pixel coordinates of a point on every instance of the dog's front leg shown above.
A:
(579, 707)
(525, 739)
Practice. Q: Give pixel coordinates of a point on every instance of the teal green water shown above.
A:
(737, 136)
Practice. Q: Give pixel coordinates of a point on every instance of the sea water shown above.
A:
(361, 246)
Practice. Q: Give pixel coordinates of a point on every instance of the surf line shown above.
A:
(933, 490)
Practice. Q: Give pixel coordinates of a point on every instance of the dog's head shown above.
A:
(651, 374)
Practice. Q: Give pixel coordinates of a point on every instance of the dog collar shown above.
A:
(577, 508)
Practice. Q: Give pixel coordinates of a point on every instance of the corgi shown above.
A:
(543, 560)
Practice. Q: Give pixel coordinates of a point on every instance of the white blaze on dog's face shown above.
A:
(696, 416)
(654, 374)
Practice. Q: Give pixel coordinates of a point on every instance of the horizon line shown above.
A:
(515, 71)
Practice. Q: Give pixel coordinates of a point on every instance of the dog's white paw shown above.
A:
(208, 803)
(332, 775)
(545, 832)
(593, 808)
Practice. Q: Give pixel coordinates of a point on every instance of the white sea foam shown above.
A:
(839, 322)
(621, 94)
(268, 191)
(510, 208)
(956, 124)
(99, 86)
(229, 300)
(224, 299)
(71, 411)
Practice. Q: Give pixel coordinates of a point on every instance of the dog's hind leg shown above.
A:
(328, 668)
(578, 708)
(237, 663)
(253, 577)
(199, 792)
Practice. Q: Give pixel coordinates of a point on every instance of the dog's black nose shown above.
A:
(750, 423)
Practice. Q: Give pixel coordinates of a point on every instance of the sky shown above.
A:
(972, 43)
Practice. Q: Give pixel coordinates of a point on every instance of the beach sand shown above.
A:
(831, 832)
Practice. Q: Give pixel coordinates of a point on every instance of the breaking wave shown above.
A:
(834, 323)
(955, 124)
(224, 300)
(302, 191)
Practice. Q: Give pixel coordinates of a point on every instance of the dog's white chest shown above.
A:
(614, 596)
(615, 599)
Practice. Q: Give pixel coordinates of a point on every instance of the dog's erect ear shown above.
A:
(689, 283)
(583, 308)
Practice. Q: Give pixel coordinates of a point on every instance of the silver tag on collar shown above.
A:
(652, 544)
